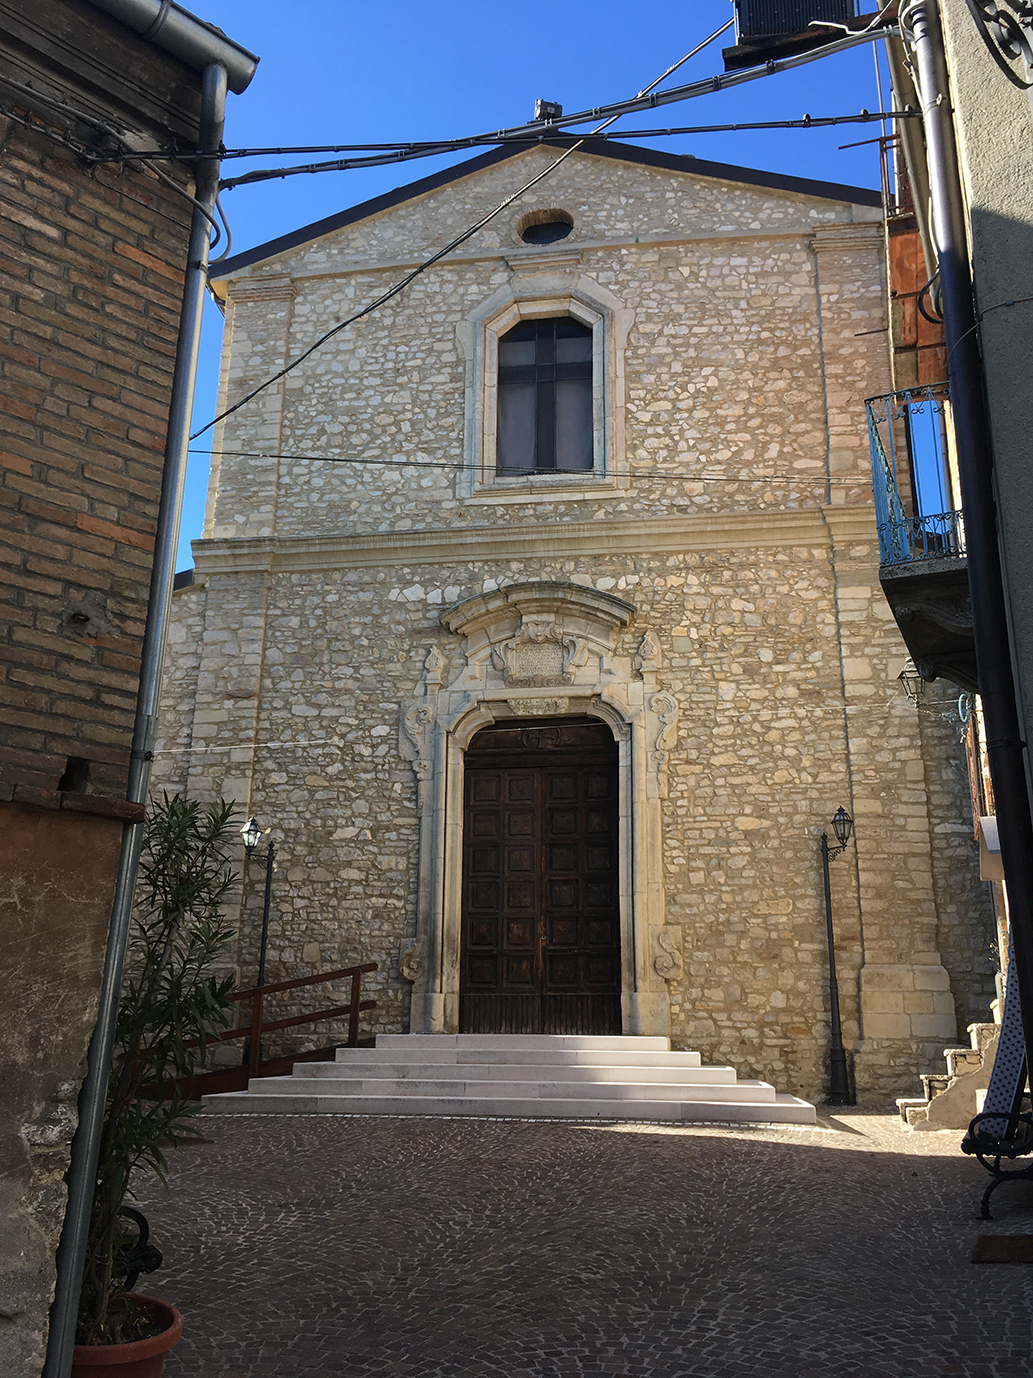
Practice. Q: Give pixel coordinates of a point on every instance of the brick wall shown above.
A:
(91, 271)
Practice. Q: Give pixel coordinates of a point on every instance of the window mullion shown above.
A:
(545, 454)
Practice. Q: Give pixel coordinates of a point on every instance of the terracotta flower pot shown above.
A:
(138, 1358)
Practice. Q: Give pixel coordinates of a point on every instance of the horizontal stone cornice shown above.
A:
(851, 525)
(850, 237)
(266, 287)
(859, 235)
(556, 540)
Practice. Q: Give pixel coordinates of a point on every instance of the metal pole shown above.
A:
(263, 943)
(85, 1150)
(265, 915)
(1005, 747)
(839, 1081)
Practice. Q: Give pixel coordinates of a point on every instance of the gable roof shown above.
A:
(599, 148)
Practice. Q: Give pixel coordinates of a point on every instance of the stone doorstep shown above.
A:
(595, 1073)
(912, 1110)
(782, 1110)
(508, 1042)
(517, 1075)
(962, 1060)
(981, 1034)
(759, 1092)
(935, 1083)
(539, 1057)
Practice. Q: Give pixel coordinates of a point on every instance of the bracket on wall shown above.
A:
(1006, 27)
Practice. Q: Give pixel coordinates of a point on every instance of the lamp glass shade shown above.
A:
(251, 833)
(842, 826)
(911, 681)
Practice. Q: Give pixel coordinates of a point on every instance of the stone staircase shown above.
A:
(541, 1076)
(952, 1098)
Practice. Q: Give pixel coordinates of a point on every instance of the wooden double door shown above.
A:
(540, 923)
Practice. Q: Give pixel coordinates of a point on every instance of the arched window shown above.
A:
(545, 397)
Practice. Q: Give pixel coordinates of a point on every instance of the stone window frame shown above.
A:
(592, 305)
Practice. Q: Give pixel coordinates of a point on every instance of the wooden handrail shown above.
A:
(197, 1086)
(245, 1029)
(257, 995)
(316, 980)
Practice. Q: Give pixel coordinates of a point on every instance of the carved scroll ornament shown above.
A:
(665, 708)
(668, 964)
(540, 654)
(413, 962)
(415, 722)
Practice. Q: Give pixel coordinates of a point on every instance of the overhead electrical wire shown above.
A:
(410, 277)
(785, 714)
(539, 131)
(403, 153)
(430, 147)
(28, 96)
(648, 94)
(543, 130)
(817, 475)
(805, 122)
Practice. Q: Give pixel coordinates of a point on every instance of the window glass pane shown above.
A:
(927, 435)
(516, 352)
(575, 349)
(574, 424)
(516, 422)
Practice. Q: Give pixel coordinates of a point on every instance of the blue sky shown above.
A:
(401, 70)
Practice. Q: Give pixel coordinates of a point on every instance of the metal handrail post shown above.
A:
(839, 1078)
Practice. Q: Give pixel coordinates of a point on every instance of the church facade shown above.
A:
(537, 616)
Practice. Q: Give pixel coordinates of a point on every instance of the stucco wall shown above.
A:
(55, 893)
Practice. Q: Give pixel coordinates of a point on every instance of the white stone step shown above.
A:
(510, 1042)
(349, 1071)
(540, 1057)
(553, 1076)
(781, 1110)
(754, 1091)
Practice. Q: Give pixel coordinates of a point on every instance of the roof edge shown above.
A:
(184, 36)
(602, 148)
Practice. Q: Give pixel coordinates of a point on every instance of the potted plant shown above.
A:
(171, 1004)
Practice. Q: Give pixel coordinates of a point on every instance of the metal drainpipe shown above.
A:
(1005, 746)
(82, 1171)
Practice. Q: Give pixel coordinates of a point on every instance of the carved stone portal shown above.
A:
(519, 644)
(537, 708)
(540, 655)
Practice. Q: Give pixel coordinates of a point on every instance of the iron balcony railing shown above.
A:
(911, 426)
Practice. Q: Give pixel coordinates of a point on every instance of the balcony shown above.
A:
(922, 565)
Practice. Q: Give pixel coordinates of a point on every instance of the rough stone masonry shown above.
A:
(352, 623)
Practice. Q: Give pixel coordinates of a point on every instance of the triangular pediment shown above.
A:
(612, 191)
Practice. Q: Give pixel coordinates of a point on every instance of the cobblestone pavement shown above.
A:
(333, 1245)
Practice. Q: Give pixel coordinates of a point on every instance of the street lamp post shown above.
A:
(839, 1080)
(252, 835)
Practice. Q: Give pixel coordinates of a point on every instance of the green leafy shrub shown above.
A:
(170, 1006)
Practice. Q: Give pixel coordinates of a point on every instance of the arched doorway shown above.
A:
(540, 932)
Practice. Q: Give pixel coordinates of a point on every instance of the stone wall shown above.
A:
(738, 529)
